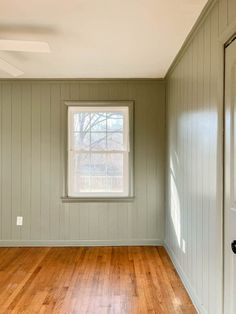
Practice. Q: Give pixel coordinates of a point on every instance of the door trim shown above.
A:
(226, 44)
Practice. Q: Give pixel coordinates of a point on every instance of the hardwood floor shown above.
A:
(90, 280)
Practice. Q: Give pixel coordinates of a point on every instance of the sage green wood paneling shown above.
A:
(16, 157)
(35, 219)
(45, 159)
(26, 125)
(6, 156)
(223, 16)
(33, 139)
(227, 13)
(1, 157)
(231, 11)
(194, 159)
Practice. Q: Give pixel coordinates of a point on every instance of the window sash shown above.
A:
(107, 193)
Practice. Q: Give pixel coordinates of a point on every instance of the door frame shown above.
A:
(227, 44)
(224, 40)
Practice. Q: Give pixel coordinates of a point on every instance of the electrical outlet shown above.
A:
(19, 220)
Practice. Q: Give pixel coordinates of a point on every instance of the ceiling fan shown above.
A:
(20, 45)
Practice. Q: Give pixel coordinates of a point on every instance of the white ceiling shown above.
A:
(97, 38)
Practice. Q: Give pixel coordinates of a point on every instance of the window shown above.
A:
(99, 159)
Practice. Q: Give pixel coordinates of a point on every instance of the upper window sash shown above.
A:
(125, 131)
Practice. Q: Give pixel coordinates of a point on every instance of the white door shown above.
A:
(230, 181)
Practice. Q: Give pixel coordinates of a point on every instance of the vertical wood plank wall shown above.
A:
(32, 151)
(194, 150)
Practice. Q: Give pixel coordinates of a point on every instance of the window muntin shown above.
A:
(98, 152)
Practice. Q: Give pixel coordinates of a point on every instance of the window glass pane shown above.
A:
(115, 184)
(81, 183)
(98, 121)
(82, 163)
(98, 164)
(114, 141)
(82, 141)
(81, 175)
(81, 121)
(114, 164)
(98, 141)
(115, 121)
(98, 184)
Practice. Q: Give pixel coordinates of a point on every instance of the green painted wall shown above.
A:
(194, 156)
(32, 164)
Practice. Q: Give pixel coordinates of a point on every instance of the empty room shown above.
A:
(117, 154)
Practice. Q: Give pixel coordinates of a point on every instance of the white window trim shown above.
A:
(127, 195)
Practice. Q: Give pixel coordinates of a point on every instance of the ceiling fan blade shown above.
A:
(10, 69)
(24, 45)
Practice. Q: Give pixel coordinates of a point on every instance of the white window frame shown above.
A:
(127, 108)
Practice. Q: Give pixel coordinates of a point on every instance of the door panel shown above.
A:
(230, 181)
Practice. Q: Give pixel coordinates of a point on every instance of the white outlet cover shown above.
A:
(19, 220)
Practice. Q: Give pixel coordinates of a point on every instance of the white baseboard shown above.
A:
(37, 243)
(196, 302)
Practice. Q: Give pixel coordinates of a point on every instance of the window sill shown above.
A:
(67, 199)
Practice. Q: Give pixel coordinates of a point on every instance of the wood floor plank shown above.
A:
(106, 280)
